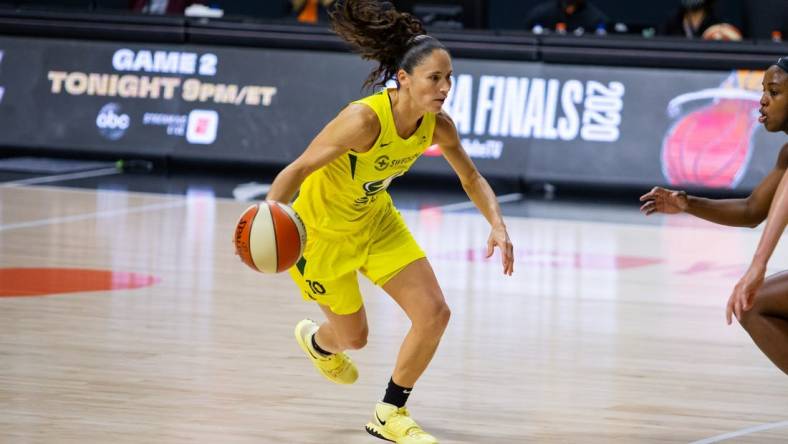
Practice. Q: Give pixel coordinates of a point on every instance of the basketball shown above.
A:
(269, 237)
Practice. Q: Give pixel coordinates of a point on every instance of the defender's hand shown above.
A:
(662, 200)
(744, 292)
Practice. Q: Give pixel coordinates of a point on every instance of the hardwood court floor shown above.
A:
(607, 332)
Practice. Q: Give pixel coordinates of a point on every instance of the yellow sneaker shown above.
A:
(337, 367)
(395, 425)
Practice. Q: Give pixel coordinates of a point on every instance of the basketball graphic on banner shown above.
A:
(711, 140)
(710, 146)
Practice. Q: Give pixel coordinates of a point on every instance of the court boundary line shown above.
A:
(62, 177)
(467, 205)
(710, 226)
(742, 432)
(95, 215)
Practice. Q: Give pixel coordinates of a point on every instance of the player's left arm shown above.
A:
(476, 187)
(745, 290)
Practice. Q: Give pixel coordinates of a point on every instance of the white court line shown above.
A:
(469, 204)
(61, 177)
(96, 215)
(251, 190)
(742, 432)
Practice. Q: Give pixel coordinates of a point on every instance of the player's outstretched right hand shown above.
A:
(662, 200)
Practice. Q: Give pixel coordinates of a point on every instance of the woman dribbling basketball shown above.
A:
(351, 222)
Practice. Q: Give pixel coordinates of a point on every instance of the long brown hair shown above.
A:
(377, 31)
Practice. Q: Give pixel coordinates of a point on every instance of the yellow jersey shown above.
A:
(345, 196)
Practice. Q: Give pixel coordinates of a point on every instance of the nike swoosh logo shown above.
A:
(385, 144)
(309, 350)
(382, 422)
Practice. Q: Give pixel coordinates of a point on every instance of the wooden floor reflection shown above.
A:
(605, 333)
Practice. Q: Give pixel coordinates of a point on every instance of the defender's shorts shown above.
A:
(327, 272)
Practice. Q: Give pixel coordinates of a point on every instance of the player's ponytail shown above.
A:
(377, 31)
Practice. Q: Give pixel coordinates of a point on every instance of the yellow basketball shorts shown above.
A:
(327, 272)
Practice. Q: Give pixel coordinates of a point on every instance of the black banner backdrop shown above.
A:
(615, 126)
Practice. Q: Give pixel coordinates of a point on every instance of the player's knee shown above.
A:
(754, 314)
(747, 318)
(759, 303)
(443, 315)
(435, 318)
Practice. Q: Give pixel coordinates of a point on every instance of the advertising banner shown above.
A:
(209, 103)
(599, 125)
(533, 121)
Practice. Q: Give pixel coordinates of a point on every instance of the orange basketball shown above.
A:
(269, 237)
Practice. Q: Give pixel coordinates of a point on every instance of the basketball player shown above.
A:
(351, 221)
(760, 305)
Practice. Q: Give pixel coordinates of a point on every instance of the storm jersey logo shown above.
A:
(381, 163)
(373, 188)
(377, 186)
